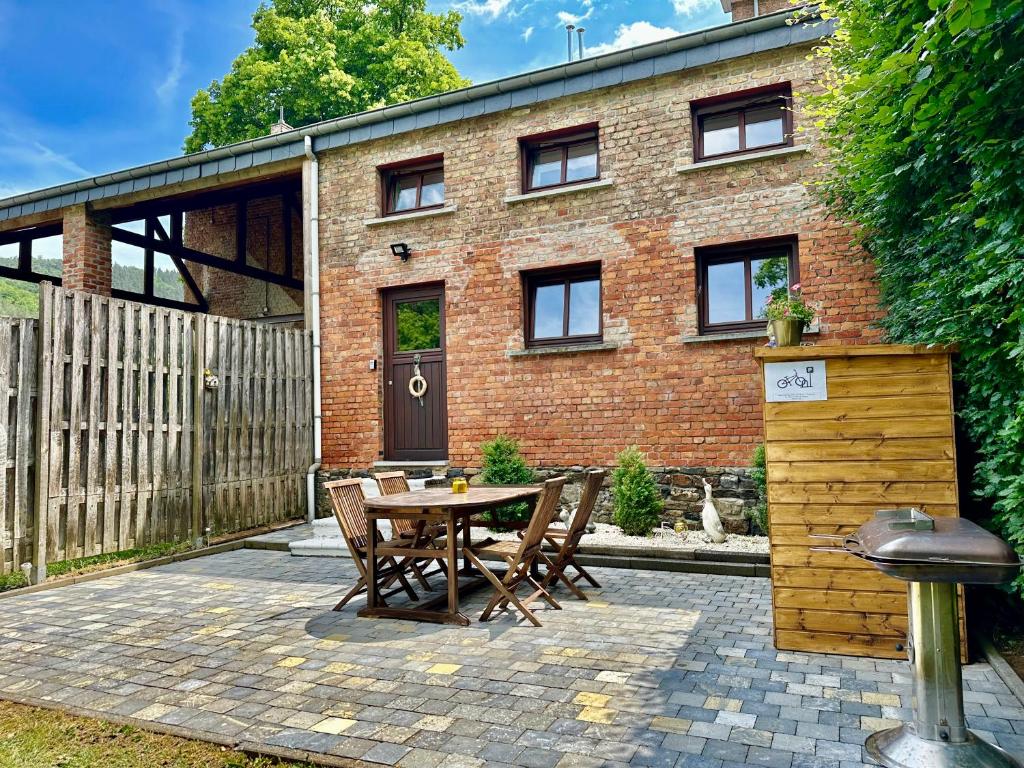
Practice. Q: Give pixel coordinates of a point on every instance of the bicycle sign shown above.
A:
(800, 381)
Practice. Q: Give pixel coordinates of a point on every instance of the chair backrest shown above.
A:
(588, 499)
(347, 501)
(390, 483)
(543, 515)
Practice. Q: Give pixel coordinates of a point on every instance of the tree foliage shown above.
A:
(321, 59)
(924, 115)
(638, 502)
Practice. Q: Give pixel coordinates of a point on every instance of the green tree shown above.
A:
(321, 59)
(923, 115)
(638, 502)
(504, 465)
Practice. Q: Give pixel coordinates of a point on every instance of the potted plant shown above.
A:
(788, 314)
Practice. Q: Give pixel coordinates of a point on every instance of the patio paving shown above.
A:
(659, 669)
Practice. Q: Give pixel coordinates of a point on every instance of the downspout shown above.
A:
(313, 196)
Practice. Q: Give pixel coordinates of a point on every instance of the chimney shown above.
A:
(568, 33)
(280, 126)
(748, 9)
(579, 32)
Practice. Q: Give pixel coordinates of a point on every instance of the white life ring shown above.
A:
(417, 386)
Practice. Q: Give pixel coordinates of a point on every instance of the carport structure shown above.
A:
(228, 223)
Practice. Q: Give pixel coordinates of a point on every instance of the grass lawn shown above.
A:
(39, 738)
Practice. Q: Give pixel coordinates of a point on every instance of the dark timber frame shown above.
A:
(24, 238)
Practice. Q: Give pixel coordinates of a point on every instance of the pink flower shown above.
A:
(796, 287)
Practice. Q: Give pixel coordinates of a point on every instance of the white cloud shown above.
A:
(527, 34)
(628, 35)
(690, 7)
(492, 8)
(564, 17)
(167, 87)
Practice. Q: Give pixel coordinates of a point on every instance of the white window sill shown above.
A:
(563, 349)
(739, 159)
(411, 216)
(555, 191)
(813, 330)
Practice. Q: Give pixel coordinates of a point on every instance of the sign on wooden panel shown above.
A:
(798, 382)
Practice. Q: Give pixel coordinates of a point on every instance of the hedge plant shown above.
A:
(759, 474)
(636, 496)
(504, 465)
(922, 114)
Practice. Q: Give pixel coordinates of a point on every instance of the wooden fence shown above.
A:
(137, 443)
(17, 441)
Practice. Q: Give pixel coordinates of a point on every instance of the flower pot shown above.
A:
(788, 331)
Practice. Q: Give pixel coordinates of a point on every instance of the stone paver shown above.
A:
(659, 669)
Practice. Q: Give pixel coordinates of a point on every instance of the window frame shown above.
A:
(739, 103)
(567, 275)
(391, 173)
(564, 138)
(746, 252)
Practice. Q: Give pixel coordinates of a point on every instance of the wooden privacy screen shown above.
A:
(883, 438)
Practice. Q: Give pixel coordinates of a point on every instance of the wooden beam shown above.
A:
(186, 275)
(207, 260)
(29, 277)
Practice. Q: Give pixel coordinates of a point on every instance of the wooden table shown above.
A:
(434, 506)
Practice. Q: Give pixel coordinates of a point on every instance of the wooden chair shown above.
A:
(566, 541)
(390, 483)
(519, 556)
(347, 501)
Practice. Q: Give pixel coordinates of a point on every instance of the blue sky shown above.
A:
(93, 86)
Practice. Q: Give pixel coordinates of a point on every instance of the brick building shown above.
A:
(575, 257)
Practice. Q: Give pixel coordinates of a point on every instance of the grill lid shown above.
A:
(911, 545)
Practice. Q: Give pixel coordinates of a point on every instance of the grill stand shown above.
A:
(938, 736)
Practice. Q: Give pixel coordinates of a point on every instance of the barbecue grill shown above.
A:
(933, 555)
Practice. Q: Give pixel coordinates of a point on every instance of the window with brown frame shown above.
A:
(563, 305)
(746, 122)
(735, 282)
(560, 158)
(414, 186)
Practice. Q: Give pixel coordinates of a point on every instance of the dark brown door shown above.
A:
(415, 428)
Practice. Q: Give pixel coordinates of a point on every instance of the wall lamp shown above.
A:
(401, 250)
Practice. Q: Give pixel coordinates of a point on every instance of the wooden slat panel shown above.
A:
(910, 448)
(884, 438)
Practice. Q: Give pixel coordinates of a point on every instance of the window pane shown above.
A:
(547, 168)
(404, 195)
(433, 188)
(585, 308)
(726, 294)
(764, 127)
(582, 162)
(418, 325)
(18, 298)
(48, 255)
(127, 266)
(548, 311)
(721, 134)
(767, 275)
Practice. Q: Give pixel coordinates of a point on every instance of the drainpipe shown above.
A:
(313, 196)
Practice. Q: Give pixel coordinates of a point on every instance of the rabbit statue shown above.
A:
(709, 517)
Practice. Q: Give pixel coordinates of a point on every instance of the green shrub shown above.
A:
(638, 502)
(759, 474)
(503, 465)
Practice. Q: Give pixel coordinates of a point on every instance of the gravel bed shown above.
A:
(610, 536)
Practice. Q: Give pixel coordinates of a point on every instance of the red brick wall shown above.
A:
(212, 230)
(744, 9)
(685, 404)
(86, 251)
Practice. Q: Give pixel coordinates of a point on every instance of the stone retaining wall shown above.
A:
(734, 491)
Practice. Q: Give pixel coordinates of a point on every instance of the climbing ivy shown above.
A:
(923, 112)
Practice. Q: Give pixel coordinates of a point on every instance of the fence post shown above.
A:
(44, 374)
(198, 385)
